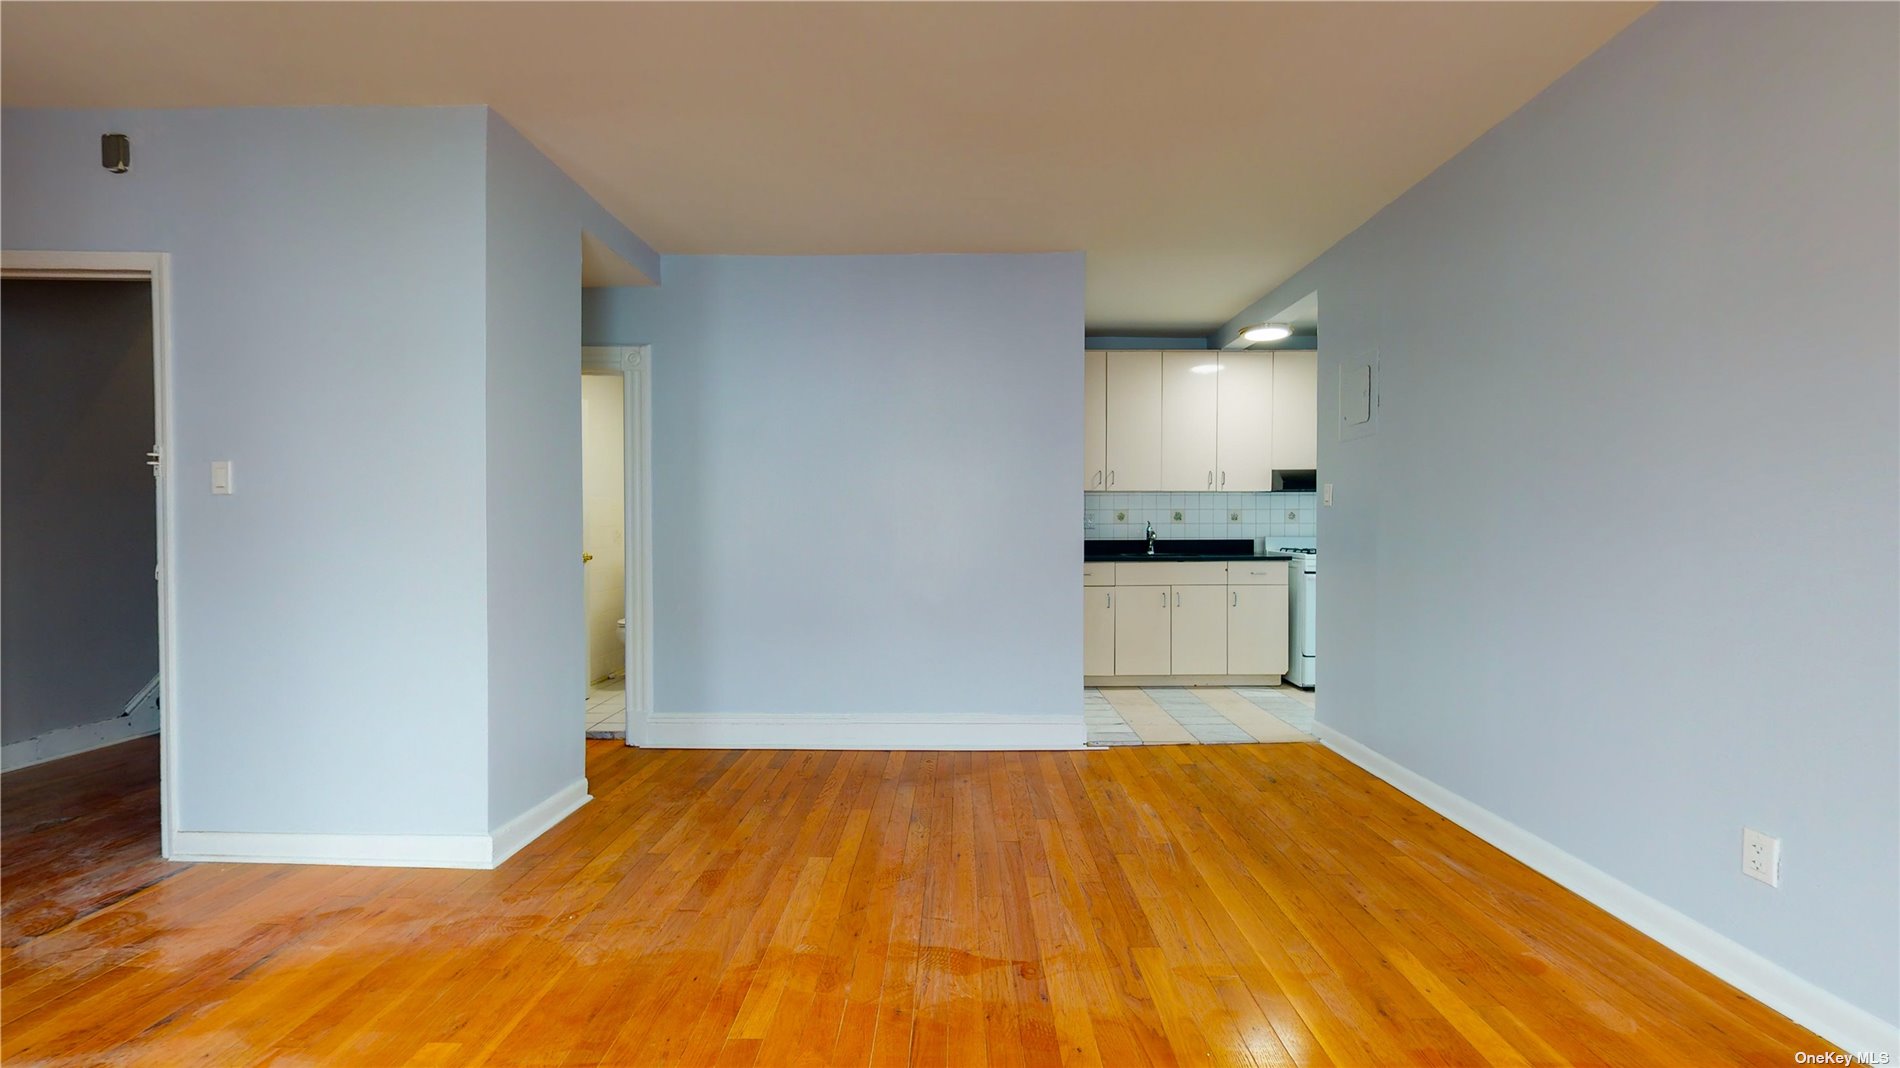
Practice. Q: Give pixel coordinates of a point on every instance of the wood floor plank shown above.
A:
(1250, 905)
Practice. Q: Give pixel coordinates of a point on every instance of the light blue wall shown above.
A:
(327, 337)
(864, 491)
(1612, 335)
(537, 644)
(376, 316)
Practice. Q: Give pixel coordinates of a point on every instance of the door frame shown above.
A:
(633, 364)
(155, 269)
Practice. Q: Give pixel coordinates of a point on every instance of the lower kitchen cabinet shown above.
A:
(1098, 630)
(1256, 630)
(1200, 630)
(1143, 631)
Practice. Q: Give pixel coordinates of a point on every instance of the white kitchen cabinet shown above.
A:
(1199, 630)
(1245, 425)
(1256, 630)
(1189, 405)
(1098, 630)
(1143, 632)
(1132, 423)
(1094, 421)
(1295, 410)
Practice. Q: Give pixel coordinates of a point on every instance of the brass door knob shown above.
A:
(586, 557)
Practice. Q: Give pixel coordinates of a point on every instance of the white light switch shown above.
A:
(221, 476)
(1326, 494)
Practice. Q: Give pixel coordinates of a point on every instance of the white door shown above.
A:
(1295, 411)
(1094, 421)
(1098, 630)
(1200, 630)
(1245, 423)
(1256, 630)
(1132, 430)
(1142, 637)
(1189, 385)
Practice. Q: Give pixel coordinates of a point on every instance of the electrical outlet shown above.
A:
(1177, 517)
(1292, 515)
(1233, 517)
(1761, 856)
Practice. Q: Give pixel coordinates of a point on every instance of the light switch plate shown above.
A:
(221, 476)
(1326, 494)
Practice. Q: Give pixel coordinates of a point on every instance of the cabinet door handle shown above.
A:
(1223, 480)
(1164, 598)
(1210, 480)
(1111, 478)
(1108, 600)
(1236, 598)
(1177, 599)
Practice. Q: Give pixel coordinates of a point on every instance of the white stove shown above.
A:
(1302, 661)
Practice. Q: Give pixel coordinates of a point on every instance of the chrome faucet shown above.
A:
(1151, 539)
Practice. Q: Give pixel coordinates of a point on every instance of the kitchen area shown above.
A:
(1200, 562)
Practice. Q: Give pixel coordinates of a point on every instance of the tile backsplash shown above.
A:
(1261, 516)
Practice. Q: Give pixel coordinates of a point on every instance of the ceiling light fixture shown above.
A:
(1267, 332)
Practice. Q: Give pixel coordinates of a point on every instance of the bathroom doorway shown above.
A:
(603, 552)
(615, 560)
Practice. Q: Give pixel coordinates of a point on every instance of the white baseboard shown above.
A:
(139, 720)
(1847, 1025)
(507, 839)
(741, 730)
(374, 850)
(383, 850)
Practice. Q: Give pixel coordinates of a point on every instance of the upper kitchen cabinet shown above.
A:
(1295, 410)
(1094, 421)
(1132, 431)
(1189, 389)
(1247, 423)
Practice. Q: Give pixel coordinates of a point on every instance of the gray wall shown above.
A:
(1619, 562)
(79, 614)
(864, 481)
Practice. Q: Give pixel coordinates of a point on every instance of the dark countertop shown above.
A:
(1135, 550)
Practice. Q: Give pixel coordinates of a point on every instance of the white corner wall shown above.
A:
(1618, 564)
(866, 525)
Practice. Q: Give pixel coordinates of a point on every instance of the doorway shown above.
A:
(616, 556)
(87, 603)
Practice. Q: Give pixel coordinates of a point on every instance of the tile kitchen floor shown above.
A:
(607, 709)
(1198, 715)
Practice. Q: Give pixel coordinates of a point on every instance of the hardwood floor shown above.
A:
(1245, 905)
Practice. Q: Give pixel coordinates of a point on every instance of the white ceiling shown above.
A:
(1198, 153)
